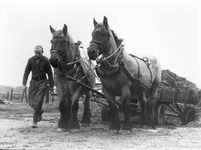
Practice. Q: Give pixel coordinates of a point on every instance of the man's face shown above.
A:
(38, 54)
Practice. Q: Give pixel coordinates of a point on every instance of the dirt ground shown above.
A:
(16, 133)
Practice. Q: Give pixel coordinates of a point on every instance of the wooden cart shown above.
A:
(179, 104)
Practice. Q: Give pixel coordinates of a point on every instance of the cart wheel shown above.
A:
(105, 114)
(188, 115)
(159, 114)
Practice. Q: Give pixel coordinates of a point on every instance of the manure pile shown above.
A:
(178, 83)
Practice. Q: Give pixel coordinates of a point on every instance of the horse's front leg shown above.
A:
(75, 106)
(115, 122)
(65, 114)
(126, 95)
(87, 112)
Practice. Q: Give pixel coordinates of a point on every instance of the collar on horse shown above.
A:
(113, 68)
(73, 71)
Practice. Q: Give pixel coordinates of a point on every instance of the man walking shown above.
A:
(39, 66)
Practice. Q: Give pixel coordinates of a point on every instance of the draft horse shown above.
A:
(124, 75)
(67, 62)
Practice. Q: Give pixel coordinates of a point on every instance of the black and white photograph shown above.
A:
(100, 74)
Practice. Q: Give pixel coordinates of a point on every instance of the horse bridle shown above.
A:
(99, 45)
(62, 55)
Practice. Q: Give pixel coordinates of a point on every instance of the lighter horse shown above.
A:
(124, 75)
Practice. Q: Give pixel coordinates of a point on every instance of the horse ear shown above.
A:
(105, 22)
(51, 29)
(95, 23)
(65, 29)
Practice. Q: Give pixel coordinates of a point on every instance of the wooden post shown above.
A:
(7, 96)
(22, 97)
(52, 96)
(26, 97)
(11, 95)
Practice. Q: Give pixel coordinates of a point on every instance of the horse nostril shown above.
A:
(57, 60)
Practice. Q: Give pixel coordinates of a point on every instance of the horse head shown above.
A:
(100, 43)
(62, 48)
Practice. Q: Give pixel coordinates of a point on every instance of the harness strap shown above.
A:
(133, 79)
(70, 72)
(146, 61)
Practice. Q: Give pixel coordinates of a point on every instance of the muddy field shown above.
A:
(16, 132)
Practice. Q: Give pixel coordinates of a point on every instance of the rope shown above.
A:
(105, 58)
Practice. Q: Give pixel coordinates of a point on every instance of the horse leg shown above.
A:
(75, 107)
(87, 112)
(151, 105)
(143, 105)
(63, 121)
(115, 122)
(126, 109)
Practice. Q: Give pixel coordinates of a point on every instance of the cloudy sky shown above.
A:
(167, 29)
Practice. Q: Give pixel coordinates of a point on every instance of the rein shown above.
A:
(99, 60)
(73, 62)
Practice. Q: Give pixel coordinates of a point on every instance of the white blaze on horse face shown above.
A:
(97, 30)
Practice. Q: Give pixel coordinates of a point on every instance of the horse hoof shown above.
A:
(74, 130)
(127, 131)
(84, 124)
(113, 131)
(61, 130)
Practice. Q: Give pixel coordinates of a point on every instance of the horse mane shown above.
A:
(115, 38)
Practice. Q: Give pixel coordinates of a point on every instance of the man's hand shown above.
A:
(24, 88)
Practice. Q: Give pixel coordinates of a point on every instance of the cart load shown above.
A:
(180, 84)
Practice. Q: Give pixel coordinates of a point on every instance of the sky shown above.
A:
(167, 29)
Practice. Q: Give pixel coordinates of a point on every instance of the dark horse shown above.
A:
(67, 62)
(124, 75)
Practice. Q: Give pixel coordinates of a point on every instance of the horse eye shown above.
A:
(51, 41)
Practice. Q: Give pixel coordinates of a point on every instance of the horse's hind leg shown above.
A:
(151, 104)
(143, 105)
(87, 112)
(126, 109)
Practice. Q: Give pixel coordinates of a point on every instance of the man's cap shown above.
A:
(38, 48)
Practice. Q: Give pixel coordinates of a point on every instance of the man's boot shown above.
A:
(40, 116)
(35, 116)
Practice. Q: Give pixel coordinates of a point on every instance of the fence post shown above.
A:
(7, 95)
(52, 96)
(11, 95)
(26, 97)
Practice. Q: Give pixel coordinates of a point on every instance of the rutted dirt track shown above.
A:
(16, 133)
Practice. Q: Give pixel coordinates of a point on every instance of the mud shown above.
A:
(16, 133)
